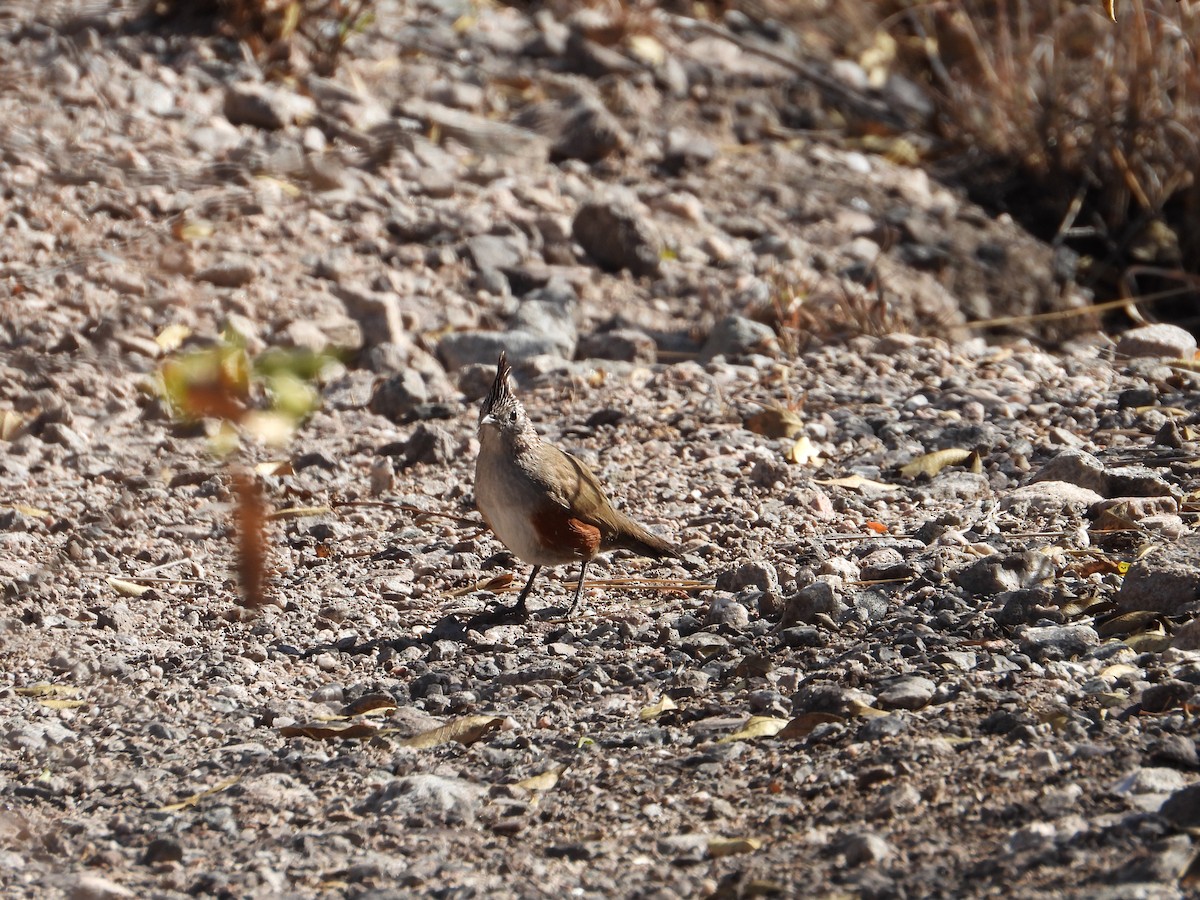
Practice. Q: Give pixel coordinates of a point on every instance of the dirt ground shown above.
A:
(971, 675)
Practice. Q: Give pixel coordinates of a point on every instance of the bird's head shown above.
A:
(501, 409)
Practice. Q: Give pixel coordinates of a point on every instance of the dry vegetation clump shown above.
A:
(285, 34)
(1084, 130)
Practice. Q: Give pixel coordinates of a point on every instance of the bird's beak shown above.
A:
(488, 419)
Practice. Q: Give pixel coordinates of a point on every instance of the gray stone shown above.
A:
(493, 251)
(907, 692)
(761, 575)
(617, 236)
(737, 336)
(232, 271)
(1159, 340)
(728, 613)
(377, 314)
(1026, 606)
(622, 344)
(265, 106)
(1165, 580)
(58, 433)
(996, 574)
(864, 847)
(1182, 808)
(1050, 642)
(816, 599)
(1048, 498)
(426, 800)
(396, 396)
(430, 444)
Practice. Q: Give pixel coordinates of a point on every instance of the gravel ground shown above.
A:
(932, 632)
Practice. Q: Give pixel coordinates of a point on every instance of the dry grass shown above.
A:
(284, 34)
(1085, 130)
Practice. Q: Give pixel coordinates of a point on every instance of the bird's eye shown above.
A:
(512, 417)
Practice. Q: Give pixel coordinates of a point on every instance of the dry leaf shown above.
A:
(172, 337)
(370, 705)
(932, 463)
(718, 847)
(12, 423)
(54, 703)
(757, 727)
(864, 710)
(333, 729)
(196, 798)
(127, 588)
(803, 453)
(45, 689)
(1117, 670)
(1148, 642)
(877, 527)
(653, 712)
(466, 730)
(647, 48)
(192, 229)
(1129, 623)
(35, 512)
(543, 782)
(802, 726)
(775, 422)
(856, 482)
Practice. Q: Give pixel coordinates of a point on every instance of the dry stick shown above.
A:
(1001, 321)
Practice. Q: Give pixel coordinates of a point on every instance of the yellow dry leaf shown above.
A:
(172, 337)
(193, 229)
(803, 725)
(1118, 669)
(803, 453)
(272, 428)
(11, 424)
(653, 712)
(127, 588)
(274, 467)
(196, 798)
(932, 463)
(333, 728)
(756, 727)
(34, 511)
(300, 512)
(55, 703)
(647, 48)
(1148, 642)
(45, 689)
(466, 730)
(370, 705)
(543, 782)
(718, 847)
(864, 710)
(856, 482)
(775, 422)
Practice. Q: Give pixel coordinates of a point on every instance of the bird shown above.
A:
(542, 503)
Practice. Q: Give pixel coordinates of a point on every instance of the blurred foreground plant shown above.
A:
(264, 398)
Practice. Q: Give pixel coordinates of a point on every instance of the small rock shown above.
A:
(377, 314)
(493, 251)
(1054, 642)
(586, 130)
(727, 612)
(1182, 808)
(268, 107)
(1151, 780)
(1037, 837)
(1048, 498)
(864, 847)
(58, 433)
(1024, 607)
(760, 575)
(616, 236)
(737, 336)
(95, 887)
(910, 692)
(999, 573)
(622, 344)
(232, 271)
(815, 599)
(396, 396)
(1158, 340)
(1165, 580)
(430, 444)
(426, 800)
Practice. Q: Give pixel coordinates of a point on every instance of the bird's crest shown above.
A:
(500, 394)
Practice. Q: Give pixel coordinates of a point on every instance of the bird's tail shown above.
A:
(633, 536)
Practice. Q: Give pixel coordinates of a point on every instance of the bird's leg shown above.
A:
(518, 608)
(578, 590)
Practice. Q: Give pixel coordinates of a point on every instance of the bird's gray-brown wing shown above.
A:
(573, 485)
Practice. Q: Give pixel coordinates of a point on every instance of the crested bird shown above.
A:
(544, 504)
